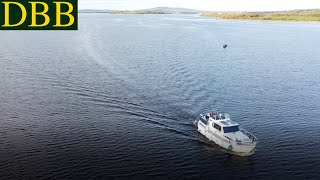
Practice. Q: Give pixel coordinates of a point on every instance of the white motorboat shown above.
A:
(219, 128)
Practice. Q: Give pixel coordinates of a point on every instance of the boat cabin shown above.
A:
(221, 122)
(226, 126)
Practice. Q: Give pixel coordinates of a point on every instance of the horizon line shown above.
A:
(196, 9)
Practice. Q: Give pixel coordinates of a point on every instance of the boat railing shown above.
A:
(250, 136)
(230, 140)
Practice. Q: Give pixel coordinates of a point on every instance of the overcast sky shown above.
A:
(210, 5)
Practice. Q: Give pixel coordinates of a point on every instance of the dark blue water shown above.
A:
(117, 98)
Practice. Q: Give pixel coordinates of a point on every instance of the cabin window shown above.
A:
(230, 129)
(216, 126)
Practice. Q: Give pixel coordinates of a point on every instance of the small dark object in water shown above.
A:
(225, 46)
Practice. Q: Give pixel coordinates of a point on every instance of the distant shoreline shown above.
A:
(287, 16)
(310, 15)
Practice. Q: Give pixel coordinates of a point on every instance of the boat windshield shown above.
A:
(230, 129)
(204, 121)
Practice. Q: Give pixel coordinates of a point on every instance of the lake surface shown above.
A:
(118, 98)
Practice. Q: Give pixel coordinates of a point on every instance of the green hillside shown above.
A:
(296, 15)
